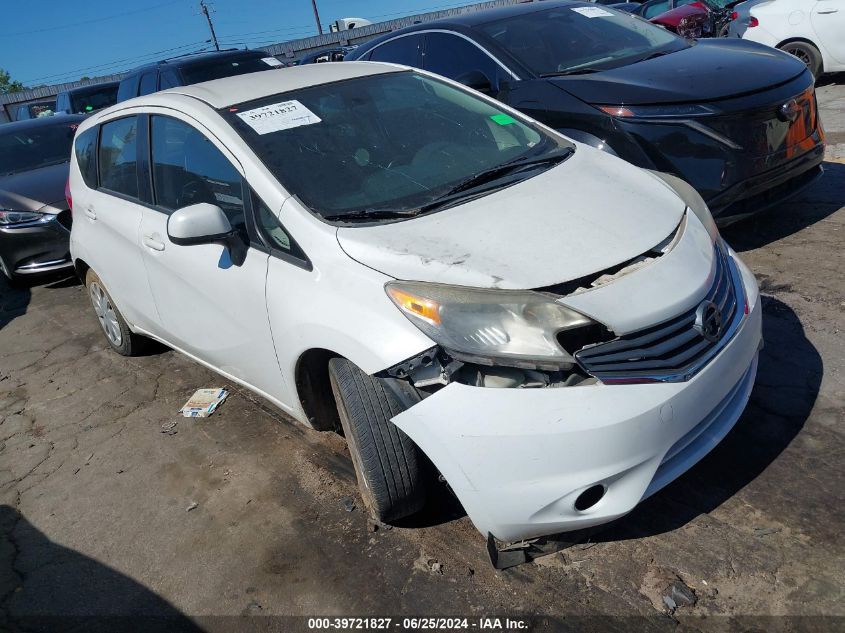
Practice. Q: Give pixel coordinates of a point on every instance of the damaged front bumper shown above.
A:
(523, 461)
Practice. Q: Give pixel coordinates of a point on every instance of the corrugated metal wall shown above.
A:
(286, 50)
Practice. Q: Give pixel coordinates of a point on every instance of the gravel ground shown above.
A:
(247, 514)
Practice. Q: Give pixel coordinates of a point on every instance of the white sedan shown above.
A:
(383, 251)
(812, 30)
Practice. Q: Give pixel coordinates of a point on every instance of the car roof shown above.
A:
(221, 93)
(44, 121)
(199, 58)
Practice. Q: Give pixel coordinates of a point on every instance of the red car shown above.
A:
(691, 21)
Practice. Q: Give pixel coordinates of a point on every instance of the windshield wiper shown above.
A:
(374, 214)
(574, 71)
(653, 56)
(494, 173)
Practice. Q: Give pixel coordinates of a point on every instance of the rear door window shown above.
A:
(85, 148)
(189, 169)
(118, 156)
(148, 82)
(403, 50)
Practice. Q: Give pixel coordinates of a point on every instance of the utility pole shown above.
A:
(204, 9)
(317, 17)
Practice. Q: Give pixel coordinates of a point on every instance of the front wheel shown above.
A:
(387, 463)
(114, 326)
(807, 53)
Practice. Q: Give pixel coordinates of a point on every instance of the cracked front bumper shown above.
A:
(518, 458)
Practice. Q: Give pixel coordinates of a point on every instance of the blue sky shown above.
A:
(52, 41)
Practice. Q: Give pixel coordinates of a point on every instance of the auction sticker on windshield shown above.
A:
(593, 12)
(279, 116)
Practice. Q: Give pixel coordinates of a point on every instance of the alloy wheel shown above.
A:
(106, 314)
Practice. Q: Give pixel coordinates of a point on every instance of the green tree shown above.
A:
(7, 85)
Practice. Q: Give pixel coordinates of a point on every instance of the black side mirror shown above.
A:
(476, 80)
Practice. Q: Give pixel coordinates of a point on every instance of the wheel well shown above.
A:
(81, 269)
(315, 390)
(790, 40)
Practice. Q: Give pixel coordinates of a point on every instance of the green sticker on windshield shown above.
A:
(503, 119)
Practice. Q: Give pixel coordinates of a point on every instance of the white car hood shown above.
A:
(589, 213)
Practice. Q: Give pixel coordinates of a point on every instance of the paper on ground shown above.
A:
(203, 403)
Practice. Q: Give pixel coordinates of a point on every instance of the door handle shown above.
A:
(154, 242)
(90, 213)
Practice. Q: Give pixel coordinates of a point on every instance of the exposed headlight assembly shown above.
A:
(515, 328)
(11, 218)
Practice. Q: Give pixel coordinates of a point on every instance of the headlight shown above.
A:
(8, 217)
(492, 327)
(692, 198)
(682, 111)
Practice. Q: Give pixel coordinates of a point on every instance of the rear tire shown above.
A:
(807, 53)
(387, 463)
(120, 338)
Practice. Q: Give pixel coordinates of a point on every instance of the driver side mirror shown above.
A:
(476, 80)
(201, 223)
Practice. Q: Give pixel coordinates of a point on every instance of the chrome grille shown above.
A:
(673, 350)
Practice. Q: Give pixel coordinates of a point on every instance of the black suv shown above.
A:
(193, 69)
(87, 99)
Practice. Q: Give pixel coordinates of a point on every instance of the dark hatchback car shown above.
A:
(192, 69)
(87, 99)
(34, 216)
(737, 121)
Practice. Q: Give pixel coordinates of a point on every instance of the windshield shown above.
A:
(89, 100)
(397, 141)
(219, 68)
(34, 147)
(586, 38)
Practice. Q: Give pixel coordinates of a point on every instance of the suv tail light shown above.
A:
(68, 197)
(752, 21)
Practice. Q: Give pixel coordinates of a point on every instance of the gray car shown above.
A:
(34, 213)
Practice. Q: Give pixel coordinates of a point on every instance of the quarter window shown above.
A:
(189, 169)
(119, 156)
(272, 231)
(148, 82)
(85, 147)
(403, 50)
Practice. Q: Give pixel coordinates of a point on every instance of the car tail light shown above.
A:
(734, 15)
(752, 21)
(68, 197)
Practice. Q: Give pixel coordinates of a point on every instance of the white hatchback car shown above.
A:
(382, 251)
(812, 30)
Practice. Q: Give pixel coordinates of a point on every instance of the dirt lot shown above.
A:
(95, 498)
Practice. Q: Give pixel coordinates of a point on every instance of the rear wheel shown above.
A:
(117, 332)
(387, 463)
(807, 53)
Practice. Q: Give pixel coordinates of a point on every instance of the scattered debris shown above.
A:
(681, 594)
(170, 427)
(670, 604)
(348, 504)
(76, 470)
(761, 532)
(372, 526)
(204, 402)
(470, 572)
(435, 566)
(191, 506)
(89, 458)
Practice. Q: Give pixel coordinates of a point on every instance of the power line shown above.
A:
(84, 22)
(128, 60)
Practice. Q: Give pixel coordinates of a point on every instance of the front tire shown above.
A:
(807, 53)
(387, 463)
(117, 332)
